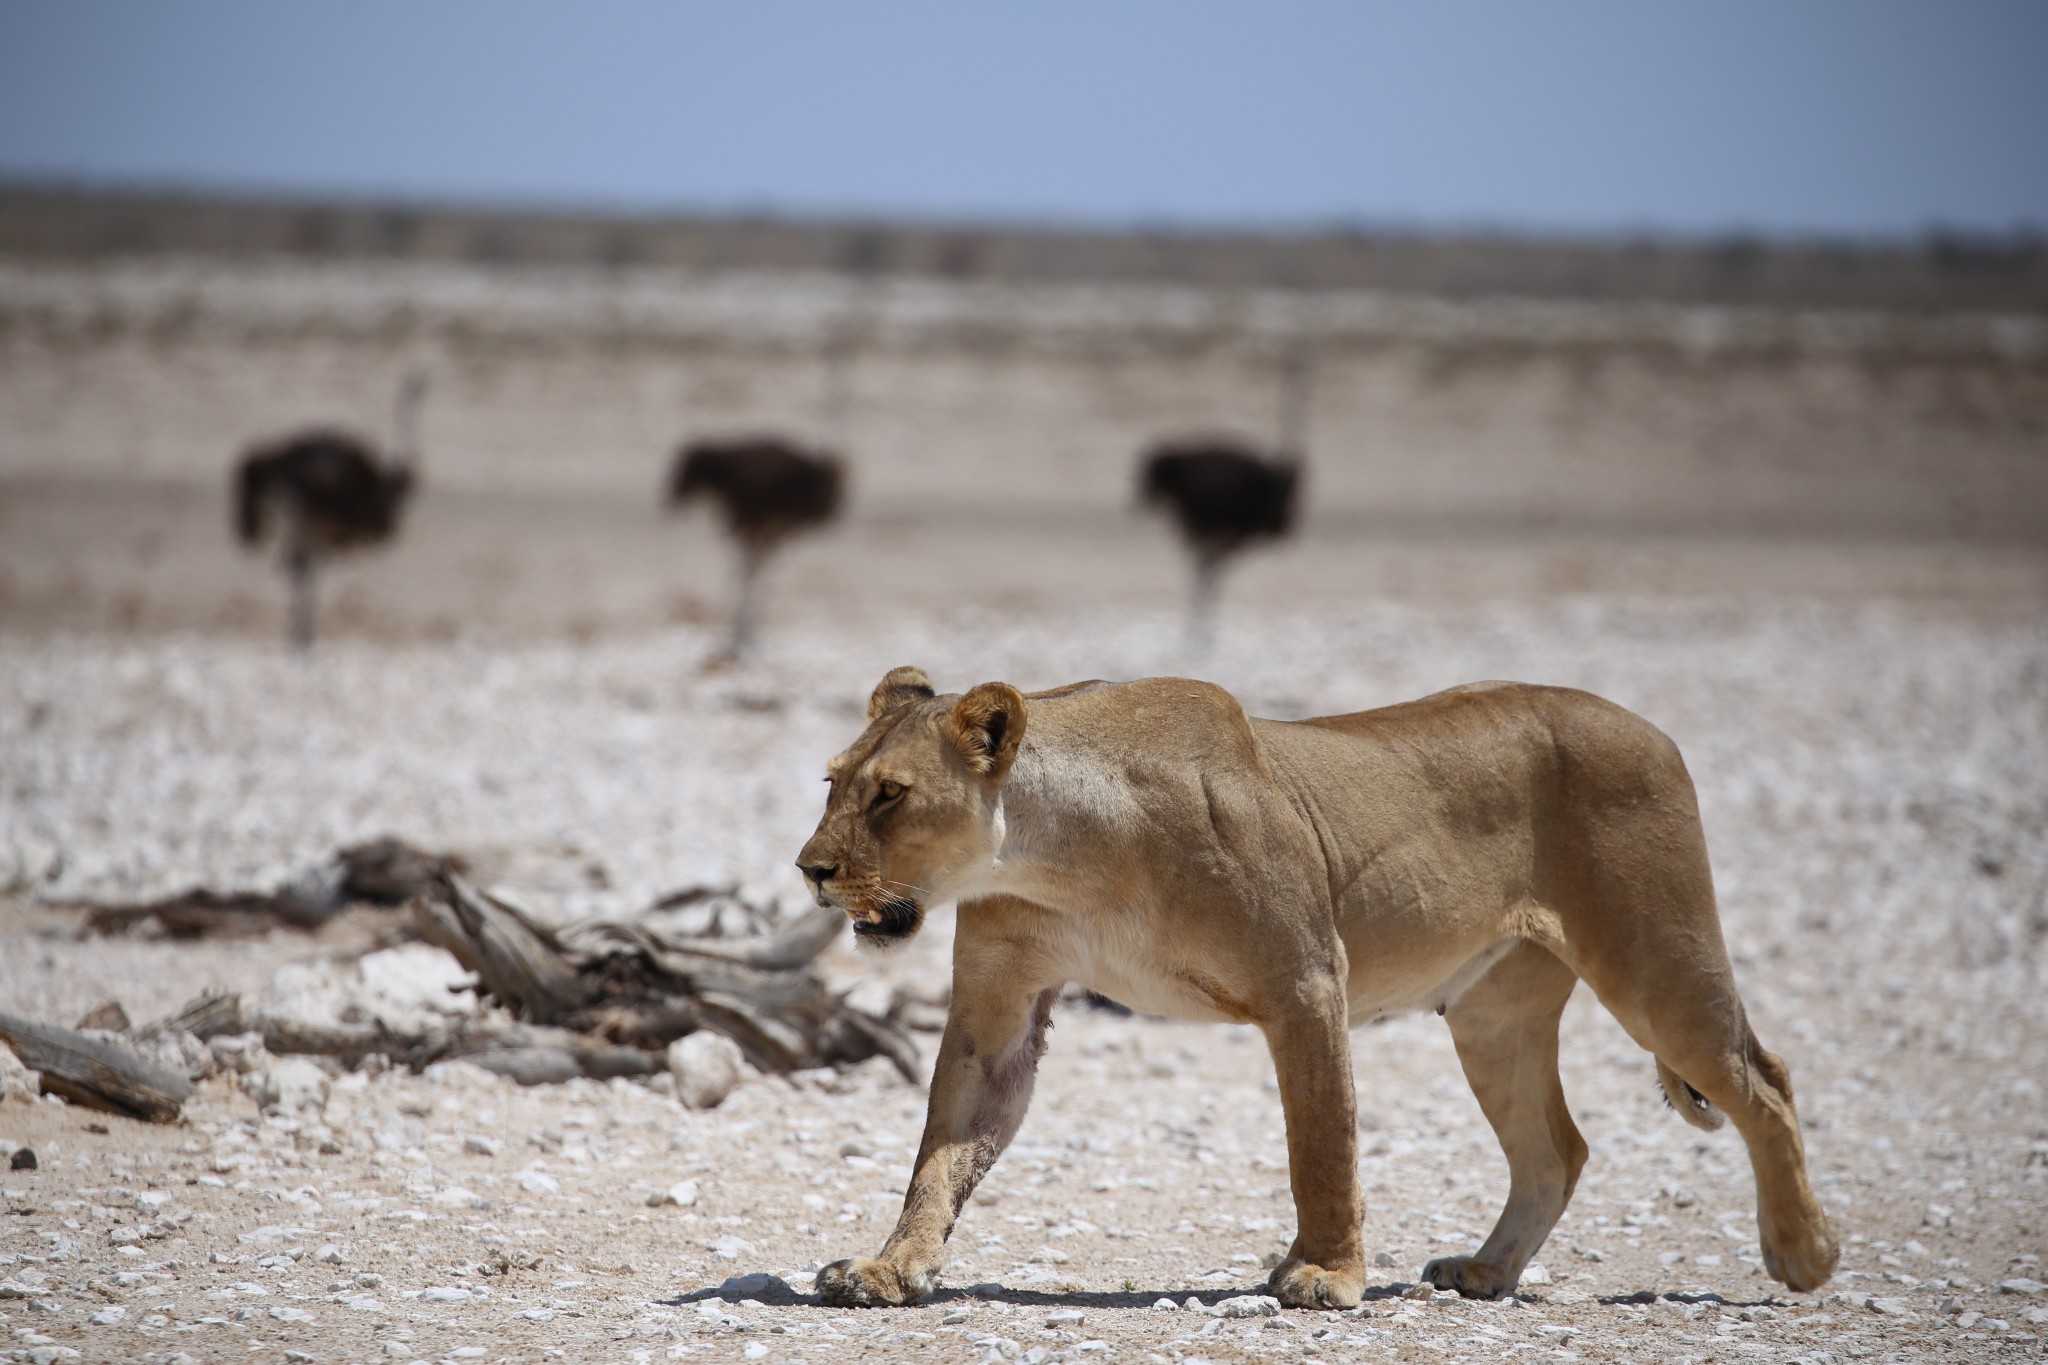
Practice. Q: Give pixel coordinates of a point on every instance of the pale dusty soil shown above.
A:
(1860, 699)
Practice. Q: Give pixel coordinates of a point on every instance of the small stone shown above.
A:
(1384, 1260)
(468, 1353)
(1194, 1305)
(48, 1355)
(706, 1066)
(1913, 1247)
(755, 1350)
(754, 1286)
(682, 1195)
(24, 1159)
(1419, 1292)
(1534, 1273)
(1891, 1308)
(107, 1317)
(986, 1289)
(1065, 1317)
(1968, 1318)
(445, 1294)
(539, 1182)
(476, 1144)
(329, 1254)
(292, 1086)
(1167, 1305)
(289, 1314)
(1248, 1306)
(2021, 1286)
(730, 1248)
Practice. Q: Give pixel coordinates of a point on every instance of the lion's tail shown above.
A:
(1691, 1105)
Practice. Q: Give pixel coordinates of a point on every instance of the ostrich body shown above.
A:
(767, 489)
(319, 493)
(1227, 495)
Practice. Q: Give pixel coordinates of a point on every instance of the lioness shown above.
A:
(1477, 852)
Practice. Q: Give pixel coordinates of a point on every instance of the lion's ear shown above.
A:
(902, 686)
(987, 726)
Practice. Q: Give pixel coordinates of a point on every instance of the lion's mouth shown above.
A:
(888, 922)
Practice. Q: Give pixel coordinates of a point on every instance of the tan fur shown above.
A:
(1478, 852)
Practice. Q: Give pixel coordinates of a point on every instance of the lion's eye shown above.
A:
(885, 792)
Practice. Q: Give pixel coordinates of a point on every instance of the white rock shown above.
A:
(468, 1353)
(108, 1316)
(330, 1254)
(48, 1355)
(287, 1313)
(445, 1294)
(1384, 1260)
(539, 1182)
(293, 1085)
(682, 1195)
(16, 1079)
(730, 1248)
(706, 1066)
(1165, 1304)
(1534, 1273)
(755, 1350)
(1891, 1308)
(1065, 1317)
(2021, 1286)
(955, 1318)
(1247, 1306)
(478, 1145)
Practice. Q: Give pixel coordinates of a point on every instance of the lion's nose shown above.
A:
(819, 872)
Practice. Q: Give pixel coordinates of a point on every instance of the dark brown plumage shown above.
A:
(1225, 494)
(325, 492)
(767, 489)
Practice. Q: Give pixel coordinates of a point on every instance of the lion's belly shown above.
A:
(1381, 988)
(1131, 973)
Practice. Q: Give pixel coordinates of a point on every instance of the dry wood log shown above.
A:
(95, 1072)
(381, 872)
(633, 986)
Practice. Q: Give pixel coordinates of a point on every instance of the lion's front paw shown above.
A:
(870, 1284)
(1301, 1284)
(1802, 1261)
(1470, 1276)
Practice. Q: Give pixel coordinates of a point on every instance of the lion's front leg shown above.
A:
(981, 1087)
(1325, 1268)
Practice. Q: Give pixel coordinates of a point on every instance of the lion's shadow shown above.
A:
(780, 1294)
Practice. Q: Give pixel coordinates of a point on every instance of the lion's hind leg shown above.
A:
(1505, 1028)
(1696, 1027)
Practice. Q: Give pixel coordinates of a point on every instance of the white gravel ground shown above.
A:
(1870, 774)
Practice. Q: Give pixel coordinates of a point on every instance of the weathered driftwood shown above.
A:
(634, 987)
(381, 872)
(95, 1072)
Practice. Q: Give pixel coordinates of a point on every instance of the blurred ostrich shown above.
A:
(768, 489)
(318, 493)
(1227, 495)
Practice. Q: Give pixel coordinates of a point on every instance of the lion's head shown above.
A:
(913, 815)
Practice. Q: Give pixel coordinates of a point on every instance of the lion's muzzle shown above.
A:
(891, 921)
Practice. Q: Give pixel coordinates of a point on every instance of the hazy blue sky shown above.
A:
(1856, 116)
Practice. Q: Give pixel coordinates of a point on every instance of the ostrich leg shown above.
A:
(1202, 603)
(747, 604)
(299, 567)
